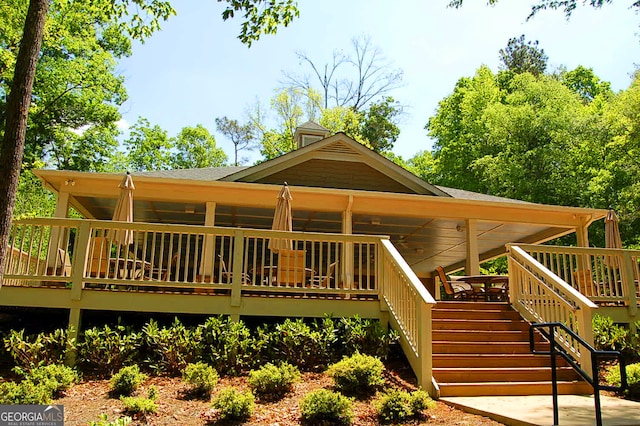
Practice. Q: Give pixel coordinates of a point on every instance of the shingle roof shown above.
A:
(207, 173)
(476, 196)
(312, 125)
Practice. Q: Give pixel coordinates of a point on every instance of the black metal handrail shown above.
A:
(555, 349)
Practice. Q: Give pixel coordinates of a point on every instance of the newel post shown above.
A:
(425, 350)
(628, 283)
(236, 267)
(585, 330)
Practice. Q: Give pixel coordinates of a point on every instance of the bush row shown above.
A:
(610, 336)
(230, 347)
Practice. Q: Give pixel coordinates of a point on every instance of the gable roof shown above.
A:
(337, 162)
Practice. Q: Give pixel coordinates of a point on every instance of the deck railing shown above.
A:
(410, 305)
(541, 296)
(85, 254)
(605, 276)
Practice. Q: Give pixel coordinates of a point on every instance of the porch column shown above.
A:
(582, 236)
(208, 245)
(347, 258)
(58, 236)
(472, 265)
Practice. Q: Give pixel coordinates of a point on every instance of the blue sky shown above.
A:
(195, 69)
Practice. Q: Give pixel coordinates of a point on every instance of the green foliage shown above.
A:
(633, 378)
(365, 336)
(396, 405)
(138, 405)
(240, 135)
(41, 349)
(54, 378)
(271, 382)
(227, 345)
(104, 421)
(260, 19)
(106, 349)
(25, 392)
(148, 147)
(323, 405)
(127, 380)
(609, 336)
(379, 127)
(202, 377)
(169, 350)
(196, 148)
(357, 374)
(520, 57)
(234, 405)
(304, 345)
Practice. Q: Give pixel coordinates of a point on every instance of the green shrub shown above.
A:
(54, 378)
(138, 405)
(104, 421)
(227, 345)
(396, 405)
(272, 381)
(127, 380)
(169, 350)
(202, 378)
(305, 346)
(357, 374)
(25, 392)
(633, 378)
(106, 350)
(365, 336)
(234, 405)
(41, 349)
(609, 336)
(324, 405)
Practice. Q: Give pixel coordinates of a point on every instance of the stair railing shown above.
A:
(556, 349)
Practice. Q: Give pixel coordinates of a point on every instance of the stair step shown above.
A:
(491, 325)
(504, 306)
(481, 314)
(492, 360)
(513, 388)
(499, 374)
(484, 335)
(448, 347)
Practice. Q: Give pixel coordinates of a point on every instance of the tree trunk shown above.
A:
(16, 122)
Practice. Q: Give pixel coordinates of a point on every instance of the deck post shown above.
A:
(236, 280)
(208, 244)
(75, 317)
(585, 327)
(628, 283)
(425, 350)
(57, 233)
(79, 261)
(472, 265)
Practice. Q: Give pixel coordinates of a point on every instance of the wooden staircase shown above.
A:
(482, 348)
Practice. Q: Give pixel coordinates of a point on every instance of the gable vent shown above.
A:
(340, 149)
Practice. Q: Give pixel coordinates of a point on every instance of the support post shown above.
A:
(347, 261)
(628, 283)
(236, 281)
(585, 325)
(58, 235)
(75, 317)
(80, 259)
(472, 265)
(425, 350)
(208, 245)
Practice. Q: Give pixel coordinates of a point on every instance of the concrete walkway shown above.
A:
(574, 410)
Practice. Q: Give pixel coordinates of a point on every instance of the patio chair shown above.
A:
(456, 290)
(227, 276)
(166, 274)
(584, 280)
(291, 266)
(100, 265)
(323, 281)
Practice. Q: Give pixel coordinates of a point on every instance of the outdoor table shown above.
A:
(485, 282)
(130, 266)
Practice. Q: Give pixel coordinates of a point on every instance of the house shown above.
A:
(367, 237)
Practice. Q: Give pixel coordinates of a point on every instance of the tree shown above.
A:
(148, 147)
(379, 127)
(568, 6)
(260, 17)
(585, 83)
(521, 57)
(240, 135)
(351, 81)
(196, 148)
